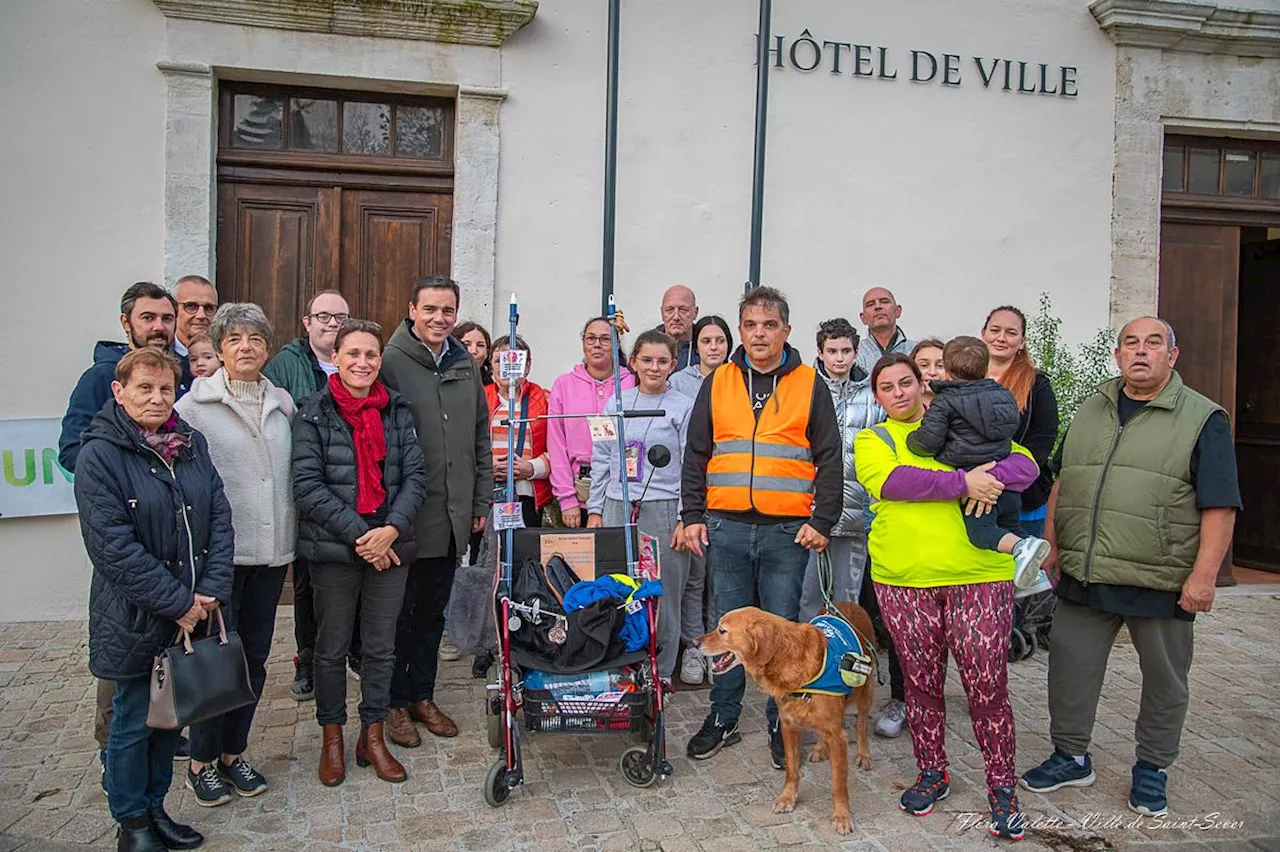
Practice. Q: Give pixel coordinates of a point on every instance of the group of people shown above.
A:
(204, 468)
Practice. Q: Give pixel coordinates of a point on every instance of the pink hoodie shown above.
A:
(569, 440)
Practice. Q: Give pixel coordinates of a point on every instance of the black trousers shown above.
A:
(421, 625)
(347, 594)
(304, 614)
(867, 599)
(254, 598)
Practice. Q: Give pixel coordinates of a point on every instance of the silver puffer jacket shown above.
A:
(856, 409)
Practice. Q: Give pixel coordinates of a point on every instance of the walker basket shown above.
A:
(542, 712)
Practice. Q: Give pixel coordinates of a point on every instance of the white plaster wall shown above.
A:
(957, 199)
(81, 219)
(1159, 91)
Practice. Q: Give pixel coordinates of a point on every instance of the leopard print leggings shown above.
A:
(972, 622)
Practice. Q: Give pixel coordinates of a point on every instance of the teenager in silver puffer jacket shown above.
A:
(856, 409)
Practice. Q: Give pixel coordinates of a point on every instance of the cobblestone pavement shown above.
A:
(1223, 790)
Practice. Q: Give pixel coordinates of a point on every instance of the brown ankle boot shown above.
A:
(401, 728)
(430, 714)
(372, 750)
(333, 760)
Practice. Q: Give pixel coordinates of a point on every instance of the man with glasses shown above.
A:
(197, 303)
(302, 368)
(679, 312)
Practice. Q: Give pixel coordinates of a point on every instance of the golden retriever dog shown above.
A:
(782, 656)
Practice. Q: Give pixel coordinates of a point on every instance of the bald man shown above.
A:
(679, 312)
(1142, 552)
(880, 314)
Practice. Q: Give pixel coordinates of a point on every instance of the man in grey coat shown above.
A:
(431, 368)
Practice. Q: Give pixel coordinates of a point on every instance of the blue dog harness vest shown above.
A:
(845, 665)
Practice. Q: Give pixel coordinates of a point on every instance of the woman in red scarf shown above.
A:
(359, 481)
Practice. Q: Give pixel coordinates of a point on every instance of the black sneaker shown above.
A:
(1006, 819)
(184, 749)
(353, 666)
(304, 686)
(931, 786)
(241, 775)
(480, 666)
(777, 751)
(208, 787)
(712, 737)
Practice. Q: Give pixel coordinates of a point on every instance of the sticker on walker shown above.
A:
(508, 516)
(512, 364)
(602, 429)
(649, 566)
(635, 452)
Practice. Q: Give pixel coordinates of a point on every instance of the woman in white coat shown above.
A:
(246, 420)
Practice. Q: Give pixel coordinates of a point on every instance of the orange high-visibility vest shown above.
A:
(766, 464)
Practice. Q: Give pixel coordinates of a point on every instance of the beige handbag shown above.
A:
(195, 681)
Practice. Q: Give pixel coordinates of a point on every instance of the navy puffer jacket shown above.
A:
(154, 533)
(324, 480)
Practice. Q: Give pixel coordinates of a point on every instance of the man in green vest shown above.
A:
(1140, 520)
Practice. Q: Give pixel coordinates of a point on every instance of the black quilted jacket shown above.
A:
(153, 533)
(968, 424)
(324, 480)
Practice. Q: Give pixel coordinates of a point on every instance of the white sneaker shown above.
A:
(1028, 555)
(450, 652)
(1042, 584)
(692, 670)
(893, 718)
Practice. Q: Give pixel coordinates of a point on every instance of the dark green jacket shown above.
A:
(296, 369)
(452, 419)
(1126, 512)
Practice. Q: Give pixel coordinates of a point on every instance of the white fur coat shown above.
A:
(254, 461)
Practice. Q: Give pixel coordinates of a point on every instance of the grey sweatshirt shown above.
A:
(668, 430)
(687, 381)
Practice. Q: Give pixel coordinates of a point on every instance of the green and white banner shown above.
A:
(33, 482)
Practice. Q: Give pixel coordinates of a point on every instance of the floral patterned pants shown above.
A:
(972, 622)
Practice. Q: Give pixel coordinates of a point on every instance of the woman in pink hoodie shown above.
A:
(582, 390)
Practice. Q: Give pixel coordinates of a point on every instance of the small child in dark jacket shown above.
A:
(971, 422)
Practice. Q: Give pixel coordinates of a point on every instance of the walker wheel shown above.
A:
(493, 727)
(637, 767)
(495, 784)
(1018, 647)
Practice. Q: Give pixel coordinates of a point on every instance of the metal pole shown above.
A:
(762, 105)
(620, 427)
(514, 391)
(610, 158)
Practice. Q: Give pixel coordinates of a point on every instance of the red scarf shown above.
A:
(365, 416)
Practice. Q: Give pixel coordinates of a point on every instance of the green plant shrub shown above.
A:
(1075, 373)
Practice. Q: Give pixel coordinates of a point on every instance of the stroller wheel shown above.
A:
(637, 767)
(495, 784)
(1018, 648)
(493, 727)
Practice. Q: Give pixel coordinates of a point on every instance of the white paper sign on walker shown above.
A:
(602, 429)
(512, 364)
(508, 516)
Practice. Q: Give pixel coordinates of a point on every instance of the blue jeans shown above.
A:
(255, 594)
(749, 563)
(139, 759)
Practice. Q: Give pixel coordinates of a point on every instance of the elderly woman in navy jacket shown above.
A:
(359, 481)
(157, 528)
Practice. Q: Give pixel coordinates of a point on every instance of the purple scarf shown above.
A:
(166, 440)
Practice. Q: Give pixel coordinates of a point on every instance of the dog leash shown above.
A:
(826, 585)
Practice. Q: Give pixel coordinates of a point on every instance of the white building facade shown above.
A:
(965, 155)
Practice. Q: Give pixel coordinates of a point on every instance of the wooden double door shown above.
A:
(278, 244)
(1220, 289)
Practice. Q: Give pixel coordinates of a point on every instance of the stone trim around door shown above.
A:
(1181, 67)
(1190, 26)
(190, 225)
(190, 183)
(483, 22)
